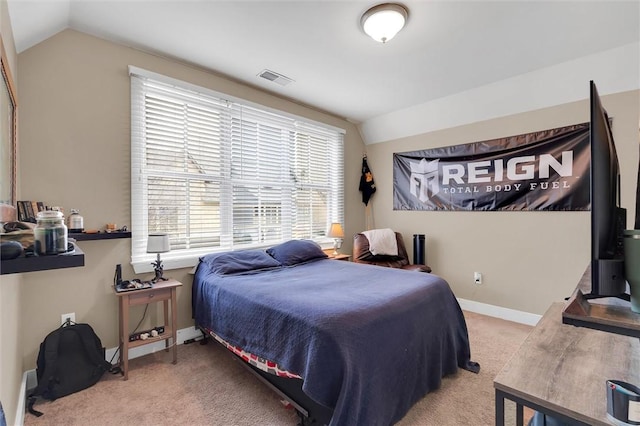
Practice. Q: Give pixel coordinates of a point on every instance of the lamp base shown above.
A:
(158, 278)
(337, 243)
(158, 269)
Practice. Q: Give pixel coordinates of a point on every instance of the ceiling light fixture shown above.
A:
(384, 21)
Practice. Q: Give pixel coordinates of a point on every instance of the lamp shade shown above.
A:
(335, 231)
(384, 21)
(158, 243)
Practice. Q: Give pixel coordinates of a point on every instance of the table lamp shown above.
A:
(337, 233)
(158, 243)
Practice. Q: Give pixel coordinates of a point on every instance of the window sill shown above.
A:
(143, 267)
(191, 260)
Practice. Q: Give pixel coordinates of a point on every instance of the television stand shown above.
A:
(613, 315)
(591, 296)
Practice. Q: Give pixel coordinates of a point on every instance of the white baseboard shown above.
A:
(499, 312)
(22, 398)
(30, 379)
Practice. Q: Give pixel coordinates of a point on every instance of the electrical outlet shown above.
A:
(477, 278)
(71, 317)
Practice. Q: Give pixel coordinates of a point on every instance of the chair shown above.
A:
(361, 254)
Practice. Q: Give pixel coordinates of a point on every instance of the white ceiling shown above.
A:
(447, 47)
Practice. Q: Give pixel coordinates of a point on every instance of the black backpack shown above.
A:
(71, 358)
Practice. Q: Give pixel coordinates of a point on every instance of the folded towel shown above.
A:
(382, 242)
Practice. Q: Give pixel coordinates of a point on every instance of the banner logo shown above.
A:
(424, 179)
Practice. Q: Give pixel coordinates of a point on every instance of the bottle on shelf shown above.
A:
(76, 222)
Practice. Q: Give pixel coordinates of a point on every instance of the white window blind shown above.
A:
(218, 174)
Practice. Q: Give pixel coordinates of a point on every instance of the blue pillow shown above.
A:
(296, 251)
(234, 262)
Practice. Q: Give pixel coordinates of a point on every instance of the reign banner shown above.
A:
(547, 170)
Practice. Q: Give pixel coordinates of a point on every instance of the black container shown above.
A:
(418, 249)
(622, 400)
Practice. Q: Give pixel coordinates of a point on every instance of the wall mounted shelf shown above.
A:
(68, 260)
(42, 263)
(82, 236)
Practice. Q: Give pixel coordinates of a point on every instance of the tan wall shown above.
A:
(10, 285)
(75, 152)
(528, 259)
(10, 343)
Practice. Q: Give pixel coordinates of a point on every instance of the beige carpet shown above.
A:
(208, 387)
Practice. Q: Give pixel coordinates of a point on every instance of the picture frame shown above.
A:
(8, 131)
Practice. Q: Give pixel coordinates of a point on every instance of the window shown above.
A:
(220, 174)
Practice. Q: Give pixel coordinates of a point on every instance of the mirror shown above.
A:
(8, 129)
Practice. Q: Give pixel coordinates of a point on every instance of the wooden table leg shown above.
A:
(167, 322)
(124, 338)
(174, 324)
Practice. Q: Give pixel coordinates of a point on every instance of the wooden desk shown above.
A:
(162, 291)
(561, 370)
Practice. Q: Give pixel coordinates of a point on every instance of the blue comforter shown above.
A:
(368, 341)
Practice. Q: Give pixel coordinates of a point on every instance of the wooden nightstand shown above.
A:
(162, 291)
(340, 256)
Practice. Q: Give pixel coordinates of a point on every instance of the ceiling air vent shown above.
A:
(275, 77)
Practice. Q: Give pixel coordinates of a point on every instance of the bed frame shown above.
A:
(310, 412)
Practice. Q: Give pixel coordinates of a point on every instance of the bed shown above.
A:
(366, 341)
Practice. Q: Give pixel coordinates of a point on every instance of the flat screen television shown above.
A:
(608, 218)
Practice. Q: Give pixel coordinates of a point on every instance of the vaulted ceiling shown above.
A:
(446, 48)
